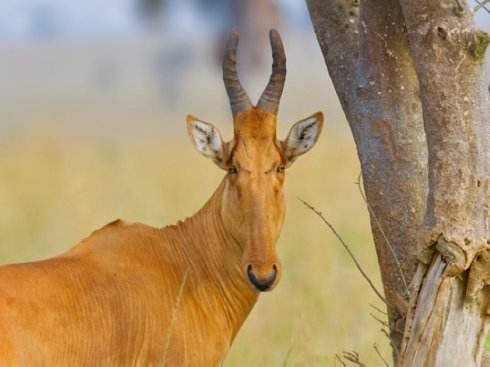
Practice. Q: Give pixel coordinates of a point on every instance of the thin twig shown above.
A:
(481, 5)
(383, 323)
(353, 357)
(394, 348)
(340, 360)
(388, 243)
(346, 247)
(386, 333)
(378, 309)
(380, 355)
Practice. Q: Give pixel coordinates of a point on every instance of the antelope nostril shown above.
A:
(262, 284)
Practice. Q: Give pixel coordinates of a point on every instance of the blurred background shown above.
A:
(93, 101)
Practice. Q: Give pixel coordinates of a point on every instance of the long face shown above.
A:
(253, 206)
(255, 160)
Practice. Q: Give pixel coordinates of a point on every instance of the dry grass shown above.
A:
(54, 190)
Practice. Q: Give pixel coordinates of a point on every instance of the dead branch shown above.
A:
(383, 323)
(346, 247)
(378, 309)
(353, 357)
(481, 4)
(380, 355)
(385, 333)
(340, 360)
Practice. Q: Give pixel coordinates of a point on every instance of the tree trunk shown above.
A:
(410, 78)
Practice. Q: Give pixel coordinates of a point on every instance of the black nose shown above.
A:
(262, 284)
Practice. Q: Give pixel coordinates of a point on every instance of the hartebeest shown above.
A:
(134, 295)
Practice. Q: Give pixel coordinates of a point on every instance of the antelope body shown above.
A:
(134, 295)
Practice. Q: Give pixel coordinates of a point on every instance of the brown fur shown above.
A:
(131, 294)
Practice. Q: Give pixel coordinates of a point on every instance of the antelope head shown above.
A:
(253, 205)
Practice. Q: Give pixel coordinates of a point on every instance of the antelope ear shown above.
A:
(302, 137)
(207, 140)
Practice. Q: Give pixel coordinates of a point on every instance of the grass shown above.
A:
(55, 190)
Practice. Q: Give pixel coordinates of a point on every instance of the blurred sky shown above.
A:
(34, 18)
(97, 64)
(101, 64)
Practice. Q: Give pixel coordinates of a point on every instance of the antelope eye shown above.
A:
(232, 170)
(281, 168)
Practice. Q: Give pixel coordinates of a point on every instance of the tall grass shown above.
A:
(55, 190)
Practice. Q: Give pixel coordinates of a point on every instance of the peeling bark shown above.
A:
(447, 50)
(410, 78)
(444, 329)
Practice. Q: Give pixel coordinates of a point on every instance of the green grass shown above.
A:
(55, 190)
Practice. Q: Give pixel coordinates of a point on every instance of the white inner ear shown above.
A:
(207, 139)
(303, 136)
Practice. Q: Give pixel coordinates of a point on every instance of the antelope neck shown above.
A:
(213, 255)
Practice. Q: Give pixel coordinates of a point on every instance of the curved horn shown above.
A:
(269, 100)
(239, 100)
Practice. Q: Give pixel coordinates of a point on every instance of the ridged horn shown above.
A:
(239, 100)
(270, 98)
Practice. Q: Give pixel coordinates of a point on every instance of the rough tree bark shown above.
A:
(410, 78)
